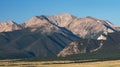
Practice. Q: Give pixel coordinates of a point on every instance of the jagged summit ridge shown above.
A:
(62, 20)
(87, 27)
(8, 26)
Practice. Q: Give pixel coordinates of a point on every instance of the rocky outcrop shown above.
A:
(118, 28)
(109, 45)
(80, 46)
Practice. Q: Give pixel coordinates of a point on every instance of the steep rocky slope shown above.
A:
(57, 35)
(35, 40)
(87, 27)
(81, 46)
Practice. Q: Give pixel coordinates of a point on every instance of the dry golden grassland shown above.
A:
(112, 63)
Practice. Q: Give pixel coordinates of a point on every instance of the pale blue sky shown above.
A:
(22, 10)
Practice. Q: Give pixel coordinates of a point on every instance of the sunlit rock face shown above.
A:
(9, 26)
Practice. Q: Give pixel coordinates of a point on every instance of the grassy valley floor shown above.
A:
(111, 63)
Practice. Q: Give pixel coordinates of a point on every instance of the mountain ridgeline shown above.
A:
(59, 35)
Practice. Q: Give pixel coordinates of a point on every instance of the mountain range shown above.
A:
(57, 35)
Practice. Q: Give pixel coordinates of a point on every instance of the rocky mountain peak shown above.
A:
(64, 15)
(7, 22)
(36, 21)
(8, 26)
(87, 27)
(62, 20)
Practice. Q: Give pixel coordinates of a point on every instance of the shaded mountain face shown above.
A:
(82, 46)
(57, 35)
(34, 44)
(41, 39)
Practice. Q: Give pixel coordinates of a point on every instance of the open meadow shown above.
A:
(112, 63)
